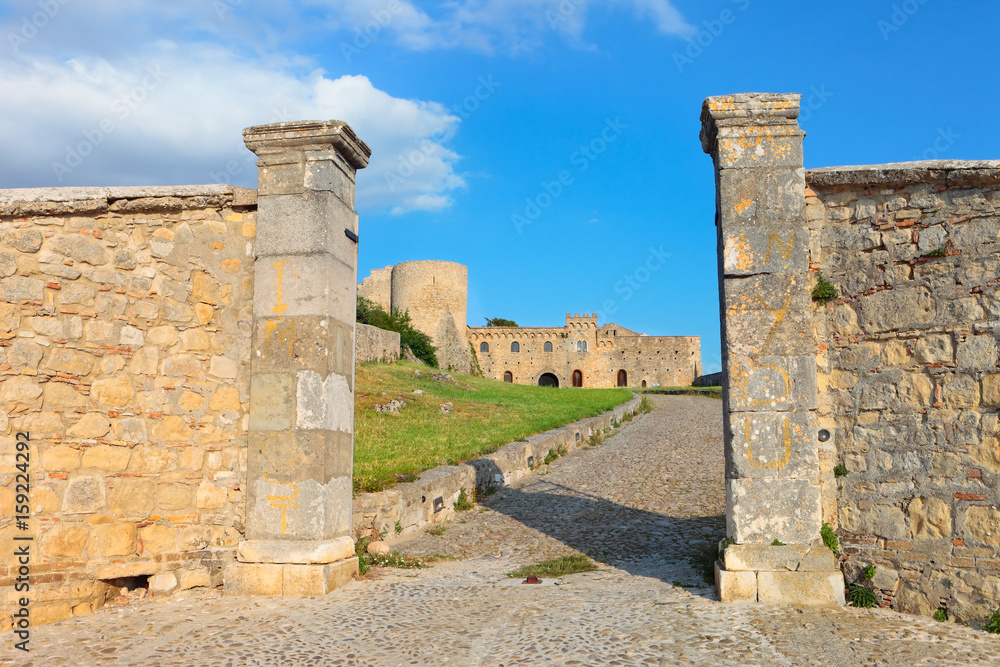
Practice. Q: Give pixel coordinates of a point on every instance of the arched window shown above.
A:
(508, 376)
(577, 378)
(548, 346)
(515, 347)
(581, 345)
(484, 347)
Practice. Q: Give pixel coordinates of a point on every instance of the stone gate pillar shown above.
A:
(301, 434)
(769, 355)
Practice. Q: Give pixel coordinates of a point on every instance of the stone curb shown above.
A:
(430, 499)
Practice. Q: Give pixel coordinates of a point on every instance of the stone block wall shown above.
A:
(374, 345)
(884, 394)
(377, 288)
(909, 377)
(124, 354)
(648, 361)
(436, 295)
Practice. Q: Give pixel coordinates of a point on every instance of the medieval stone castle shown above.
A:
(580, 354)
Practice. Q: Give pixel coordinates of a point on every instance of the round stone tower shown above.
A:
(436, 294)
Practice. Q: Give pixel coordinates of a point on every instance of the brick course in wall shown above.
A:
(124, 352)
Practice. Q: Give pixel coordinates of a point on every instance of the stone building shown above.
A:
(584, 354)
(580, 354)
(436, 295)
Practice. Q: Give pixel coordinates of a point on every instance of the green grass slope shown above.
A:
(484, 415)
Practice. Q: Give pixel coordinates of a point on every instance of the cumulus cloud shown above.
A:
(144, 92)
(175, 115)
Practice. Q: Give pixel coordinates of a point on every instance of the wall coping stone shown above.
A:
(898, 173)
(23, 202)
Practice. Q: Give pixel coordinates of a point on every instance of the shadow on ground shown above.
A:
(637, 541)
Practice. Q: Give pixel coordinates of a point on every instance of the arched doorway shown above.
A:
(508, 376)
(548, 380)
(643, 384)
(577, 378)
(622, 378)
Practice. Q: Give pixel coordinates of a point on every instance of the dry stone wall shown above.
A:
(374, 345)
(124, 352)
(909, 377)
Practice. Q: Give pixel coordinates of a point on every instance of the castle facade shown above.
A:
(580, 354)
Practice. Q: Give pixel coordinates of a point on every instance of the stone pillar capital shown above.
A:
(752, 130)
(306, 136)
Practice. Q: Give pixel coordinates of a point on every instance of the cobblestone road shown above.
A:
(641, 504)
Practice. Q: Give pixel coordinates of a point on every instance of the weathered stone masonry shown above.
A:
(124, 326)
(128, 339)
(902, 369)
(768, 352)
(909, 377)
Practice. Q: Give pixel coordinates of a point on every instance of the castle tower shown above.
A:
(377, 288)
(436, 294)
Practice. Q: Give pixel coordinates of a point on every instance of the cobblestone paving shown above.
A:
(641, 504)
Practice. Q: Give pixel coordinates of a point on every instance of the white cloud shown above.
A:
(487, 26)
(158, 93)
(174, 114)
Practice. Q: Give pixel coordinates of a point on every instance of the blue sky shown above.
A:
(477, 111)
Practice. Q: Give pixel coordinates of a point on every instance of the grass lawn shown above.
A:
(485, 415)
(698, 391)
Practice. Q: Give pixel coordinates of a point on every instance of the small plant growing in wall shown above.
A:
(830, 539)
(992, 624)
(941, 615)
(859, 594)
(841, 471)
(464, 502)
(824, 291)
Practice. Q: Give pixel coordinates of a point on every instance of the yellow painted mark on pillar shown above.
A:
(285, 334)
(769, 465)
(785, 246)
(281, 307)
(284, 503)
